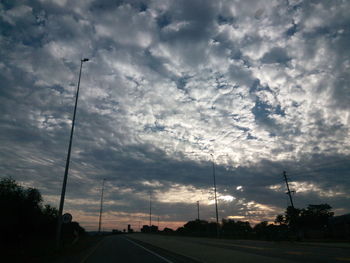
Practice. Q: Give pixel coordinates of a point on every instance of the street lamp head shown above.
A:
(85, 60)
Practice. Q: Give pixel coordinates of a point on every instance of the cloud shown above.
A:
(275, 55)
(262, 85)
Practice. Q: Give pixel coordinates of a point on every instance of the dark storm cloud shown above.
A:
(276, 55)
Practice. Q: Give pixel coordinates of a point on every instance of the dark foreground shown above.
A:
(124, 249)
(157, 248)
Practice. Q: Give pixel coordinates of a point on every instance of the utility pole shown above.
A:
(150, 210)
(289, 192)
(158, 222)
(216, 201)
(99, 223)
(64, 184)
(198, 210)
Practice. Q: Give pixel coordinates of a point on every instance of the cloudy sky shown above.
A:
(261, 85)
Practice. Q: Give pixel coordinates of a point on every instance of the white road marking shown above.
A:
(154, 253)
(92, 251)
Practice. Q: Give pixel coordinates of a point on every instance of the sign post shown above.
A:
(67, 218)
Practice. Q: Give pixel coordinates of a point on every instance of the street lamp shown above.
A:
(150, 210)
(59, 219)
(215, 196)
(100, 219)
(216, 201)
(198, 210)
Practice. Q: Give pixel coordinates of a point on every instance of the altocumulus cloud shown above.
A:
(262, 85)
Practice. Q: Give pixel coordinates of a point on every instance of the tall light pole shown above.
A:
(60, 210)
(101, 205)
(150, 210)
(198, 210)
(216, 201)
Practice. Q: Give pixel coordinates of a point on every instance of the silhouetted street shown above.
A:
(223, 250)
(161, 248)
(122, 249)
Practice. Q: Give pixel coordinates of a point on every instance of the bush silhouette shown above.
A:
(24, 217)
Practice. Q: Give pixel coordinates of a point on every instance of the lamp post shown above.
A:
(150, 210)
(60, 210)
(215, 196)
(216, 201)
(101, 205)
(198, 210)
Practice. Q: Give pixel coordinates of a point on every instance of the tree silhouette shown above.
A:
(23, 216)
(279, 219)
(310, 221)
(315, 216)
(292, 216)
(235, 229)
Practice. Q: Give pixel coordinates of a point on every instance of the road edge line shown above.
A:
(170, 251)
(150, 251)
(92, 251)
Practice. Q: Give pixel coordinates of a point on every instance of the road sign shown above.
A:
(67, 218)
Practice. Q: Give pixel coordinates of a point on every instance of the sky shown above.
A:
(171, 87)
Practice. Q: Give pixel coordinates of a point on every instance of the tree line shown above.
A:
(295, 224)
(25, 218)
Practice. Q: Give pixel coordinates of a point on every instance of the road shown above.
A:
(224, 250)
(157, 248)
(123, 249)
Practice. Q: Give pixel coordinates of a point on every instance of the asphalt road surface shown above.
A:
(224, 250)
(157, 248)
(122, 249)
